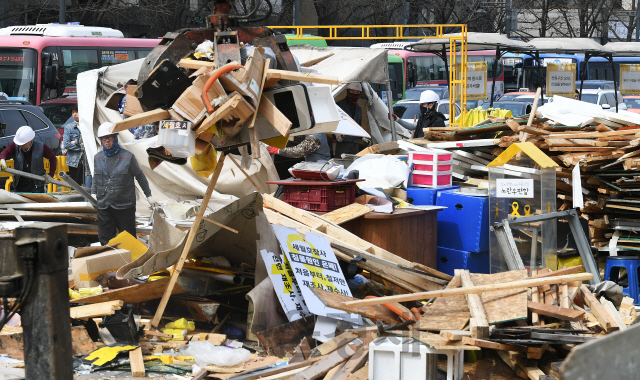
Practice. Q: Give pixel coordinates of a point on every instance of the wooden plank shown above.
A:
(357, 361)
(220, 225)
(581, 149)
(559, 272)
(590, 135)
(347, 213)
(137, 362)
(492, 345)
(477, 289)
(480, 329)
(194, 64)
(534, 109)
(279, 121)
(95, 310)
(361, 374)
(185, 251)
(254, 135)
(504, 355)
(140, 119)
(597, 309)
(435, 341)
(377, 312)
(614, 314)
(316, 60)
(454, 334)
(333, 344)
(41, 198)
(133, 294)
(279, 372)
(219, 113)
(302, 77)
(324, 365)
(555, 311)
(333, 372)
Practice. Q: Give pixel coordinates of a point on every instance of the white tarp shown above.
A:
(167, 181)
(356, 65)
(568, 45)
(475, 41)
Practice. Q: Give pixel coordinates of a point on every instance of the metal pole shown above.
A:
(63, 5)
(507, 18)
(493, 73)
(45, 315)
(638, 21)
(615, 81)
(74, 185)
(296, 13)
(392, 123)
(583, 73)
(36, 177)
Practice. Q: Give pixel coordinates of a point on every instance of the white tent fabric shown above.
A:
(356, 65)
(624, 48)
(348, 64)
(568, 45)
(167, 181)
(475, 41)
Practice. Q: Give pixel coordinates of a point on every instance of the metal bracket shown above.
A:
(512, 256)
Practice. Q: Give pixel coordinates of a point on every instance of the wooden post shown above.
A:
(187, 246)
(253, 131)
(479, 330)
(534, 108)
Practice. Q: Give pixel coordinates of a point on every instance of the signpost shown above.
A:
(630, 79)
(561, 79)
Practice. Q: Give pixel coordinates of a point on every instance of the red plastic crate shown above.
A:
(433, 179)
(430, 168)
(318, 195)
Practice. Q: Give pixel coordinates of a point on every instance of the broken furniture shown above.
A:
(512, 256)
(522, 183)
(631, 265)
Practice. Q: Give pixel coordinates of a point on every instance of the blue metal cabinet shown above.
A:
(451, 259)
(423, 196)
(464, 224)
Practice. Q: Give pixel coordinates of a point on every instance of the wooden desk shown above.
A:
(408, 233)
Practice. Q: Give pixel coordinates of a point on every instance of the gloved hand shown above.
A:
(273, 150)
(152, 202)
(3, 164)
(395, 117)
(366, 141)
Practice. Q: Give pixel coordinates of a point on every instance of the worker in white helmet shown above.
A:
(28, 155)
(429, 115)
(113, 172)
(350, 144)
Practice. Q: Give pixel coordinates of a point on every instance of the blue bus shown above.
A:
(600, 68)
(523, 69)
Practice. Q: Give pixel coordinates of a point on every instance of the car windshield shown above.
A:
(18, 74)
(632, 102)
(58, 113)
(414, 93)
(406, 110)
(590, 98)
(515, 108)
(508, 96)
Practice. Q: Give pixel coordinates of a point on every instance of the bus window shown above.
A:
(429, 68)
(490, 61)
(18, 73)
(77, 61)
(113, 56)
(396, 78)
(143, 53)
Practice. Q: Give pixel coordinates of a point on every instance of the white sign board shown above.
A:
(286, 288)
(561, 79)
(476, 81)
(630, 79)
(315, 265)
(514, 188)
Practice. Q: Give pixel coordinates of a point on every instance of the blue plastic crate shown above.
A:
(451, 259)
(423, 196)
(464, 224)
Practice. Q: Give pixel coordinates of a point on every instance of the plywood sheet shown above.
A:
(347, 213)
(333, 300)
(40, 197)
(133, 294)
(446, 313)
(452, 313)
(435, 341)
(8, 198)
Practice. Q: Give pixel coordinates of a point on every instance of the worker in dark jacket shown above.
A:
(349, 144)
(429, 115)
(114, 171)
(28, 156)
(314, 148)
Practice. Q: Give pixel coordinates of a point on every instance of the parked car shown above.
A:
(512, 95)
(604, 98)
(59, 111)
(516, 108)
(596, 85)
(471, 104)
(531, 98)
(414, 93)
(15, 113)
(407, 110)
(632, 102)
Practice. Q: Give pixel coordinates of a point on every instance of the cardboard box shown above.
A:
(247, 80)
(132, 105)
(86, 269)
(190, 106)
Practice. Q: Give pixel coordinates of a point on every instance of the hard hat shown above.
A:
(24, 135)
(355, 86)
(104, 130)
(429, 97)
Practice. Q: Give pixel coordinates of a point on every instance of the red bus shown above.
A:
(42, 62)
(430, 69)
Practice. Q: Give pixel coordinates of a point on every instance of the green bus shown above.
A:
(316, 43)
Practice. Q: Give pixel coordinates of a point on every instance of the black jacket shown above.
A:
(435, 120)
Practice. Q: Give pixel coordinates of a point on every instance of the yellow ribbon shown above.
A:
(497, 210)
(527, 210)
(515, 209)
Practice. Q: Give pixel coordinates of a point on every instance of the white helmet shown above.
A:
(355, 86)
(105, 130)
(24, 135)
(429, 97)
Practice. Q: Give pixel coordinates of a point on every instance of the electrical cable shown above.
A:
(242, 17)
(266, 16)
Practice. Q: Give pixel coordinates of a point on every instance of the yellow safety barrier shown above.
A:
(51, 188)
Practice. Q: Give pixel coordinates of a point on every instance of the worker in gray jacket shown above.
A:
(114, 171)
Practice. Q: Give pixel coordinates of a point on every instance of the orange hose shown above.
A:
(216, 74)
(417, 313)
(395, 309)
